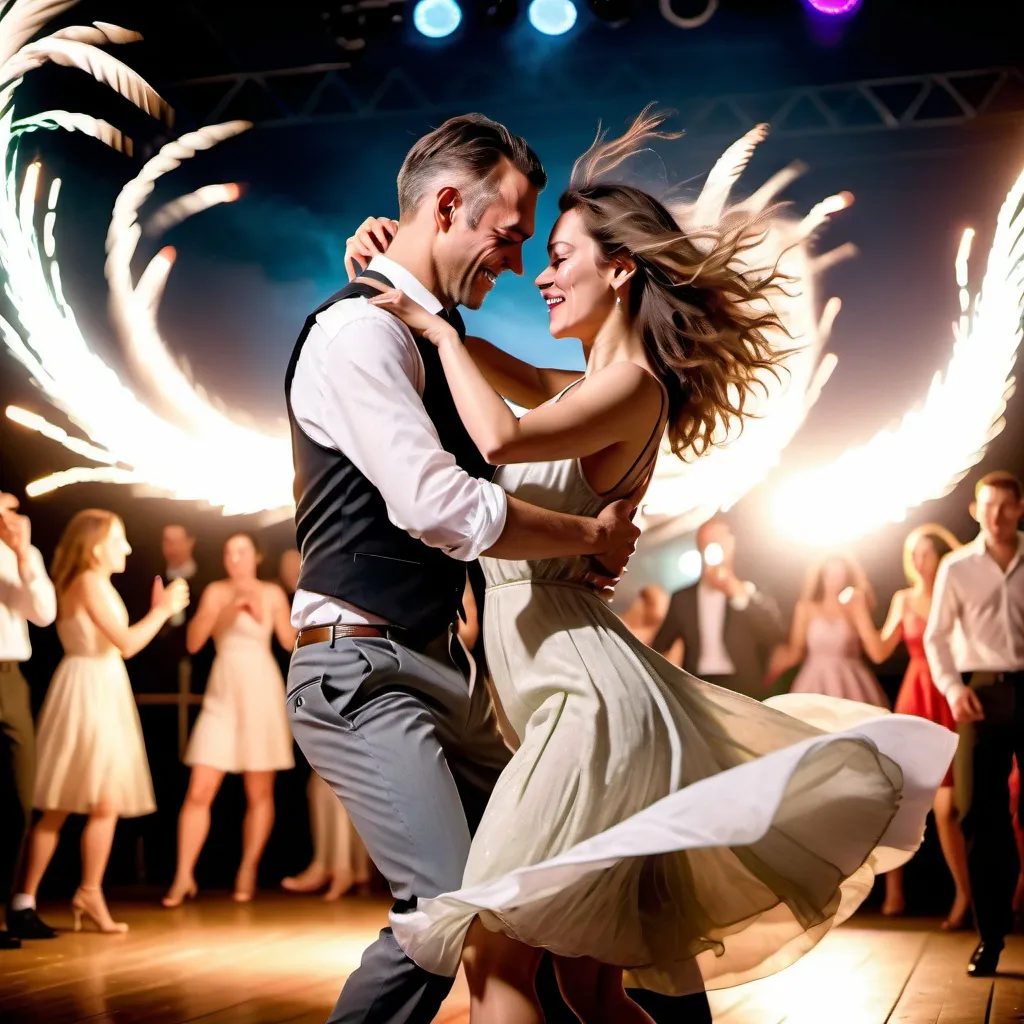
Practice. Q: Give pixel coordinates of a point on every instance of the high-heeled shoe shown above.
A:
(178, 894)
(313, 879)
(341, 885)
(89, 902)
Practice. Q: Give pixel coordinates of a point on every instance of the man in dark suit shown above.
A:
(722, 629)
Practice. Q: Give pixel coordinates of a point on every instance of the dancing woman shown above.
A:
(92, 759)
(629, 830)
(242, 726)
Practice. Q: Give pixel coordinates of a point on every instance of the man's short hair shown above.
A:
(180, 526)
(1002, 479)
(470, 147)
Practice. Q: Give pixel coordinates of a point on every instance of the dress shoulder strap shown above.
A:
(638, 476)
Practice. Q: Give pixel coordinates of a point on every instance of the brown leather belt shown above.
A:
(328, 634)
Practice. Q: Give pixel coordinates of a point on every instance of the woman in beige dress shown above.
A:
(92, 759)
(242, 726)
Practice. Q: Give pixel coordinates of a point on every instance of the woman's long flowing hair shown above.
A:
(74, 554)
(702, 315)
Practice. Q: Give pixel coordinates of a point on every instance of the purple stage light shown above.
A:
(833, 6)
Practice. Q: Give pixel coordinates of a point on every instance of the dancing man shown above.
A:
(392, 499)
(26, 595)
(980, 589)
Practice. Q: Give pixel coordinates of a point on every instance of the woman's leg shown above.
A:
(895, 902)
(594, 992)
(315, 876)
(501, 975)
(339, 862)
(42, 842)
(193, 828)
(954, 849)
(97, 839)
(259, 820)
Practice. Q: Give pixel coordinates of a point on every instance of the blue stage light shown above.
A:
(552, 17)
(436, 19)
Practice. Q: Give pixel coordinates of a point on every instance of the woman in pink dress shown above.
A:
(831, 629)
(923, 549)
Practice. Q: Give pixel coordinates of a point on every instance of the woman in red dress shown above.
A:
(923, 549)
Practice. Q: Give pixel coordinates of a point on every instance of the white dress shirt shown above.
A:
(358, 389)
(23, 599)
(973, 593)
(714, 659)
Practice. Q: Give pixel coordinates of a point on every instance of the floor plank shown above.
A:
(283, 959)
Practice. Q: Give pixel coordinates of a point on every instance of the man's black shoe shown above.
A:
(27, 924)
(984, 961)
(9, 941)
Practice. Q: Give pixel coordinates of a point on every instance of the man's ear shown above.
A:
(446, 203)
(973, 509)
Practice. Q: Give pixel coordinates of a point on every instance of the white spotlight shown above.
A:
(436, 19)
(552, 17)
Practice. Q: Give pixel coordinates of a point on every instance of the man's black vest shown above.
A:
(350, 548)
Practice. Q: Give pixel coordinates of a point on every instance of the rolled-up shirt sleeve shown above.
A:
(374, 414)
(939, 633)
(31, 593)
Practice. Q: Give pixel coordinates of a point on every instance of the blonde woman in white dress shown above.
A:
(91, 757)
(242, 727)
(648, 821)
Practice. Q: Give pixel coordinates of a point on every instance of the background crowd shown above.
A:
(202, 699)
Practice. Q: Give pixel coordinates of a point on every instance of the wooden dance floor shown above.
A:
(283, 959)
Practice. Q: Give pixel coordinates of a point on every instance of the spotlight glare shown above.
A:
(552, 17)
(690, 564)
(436, 19)
(833, 7)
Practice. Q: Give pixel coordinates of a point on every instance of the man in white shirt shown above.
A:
(979, 591)
(26, 595)
(392, 500)
(722, 629)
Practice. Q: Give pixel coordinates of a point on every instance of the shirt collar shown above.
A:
(406, 282)
(978, 547)
(185, 571)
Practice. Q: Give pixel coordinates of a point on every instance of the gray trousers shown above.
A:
(17, 771)
(413, 756)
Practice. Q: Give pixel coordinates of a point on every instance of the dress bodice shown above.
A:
(81, 639)
(913, 635)
(558, 486)
(832, 638)
(247, 631)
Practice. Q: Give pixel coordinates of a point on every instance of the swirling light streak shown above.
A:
(178, 447)
(932, 447)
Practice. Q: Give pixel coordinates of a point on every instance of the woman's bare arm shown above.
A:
(515, 379)
(878, 644)
(104, 606)
(796, 648)
(282, 617)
